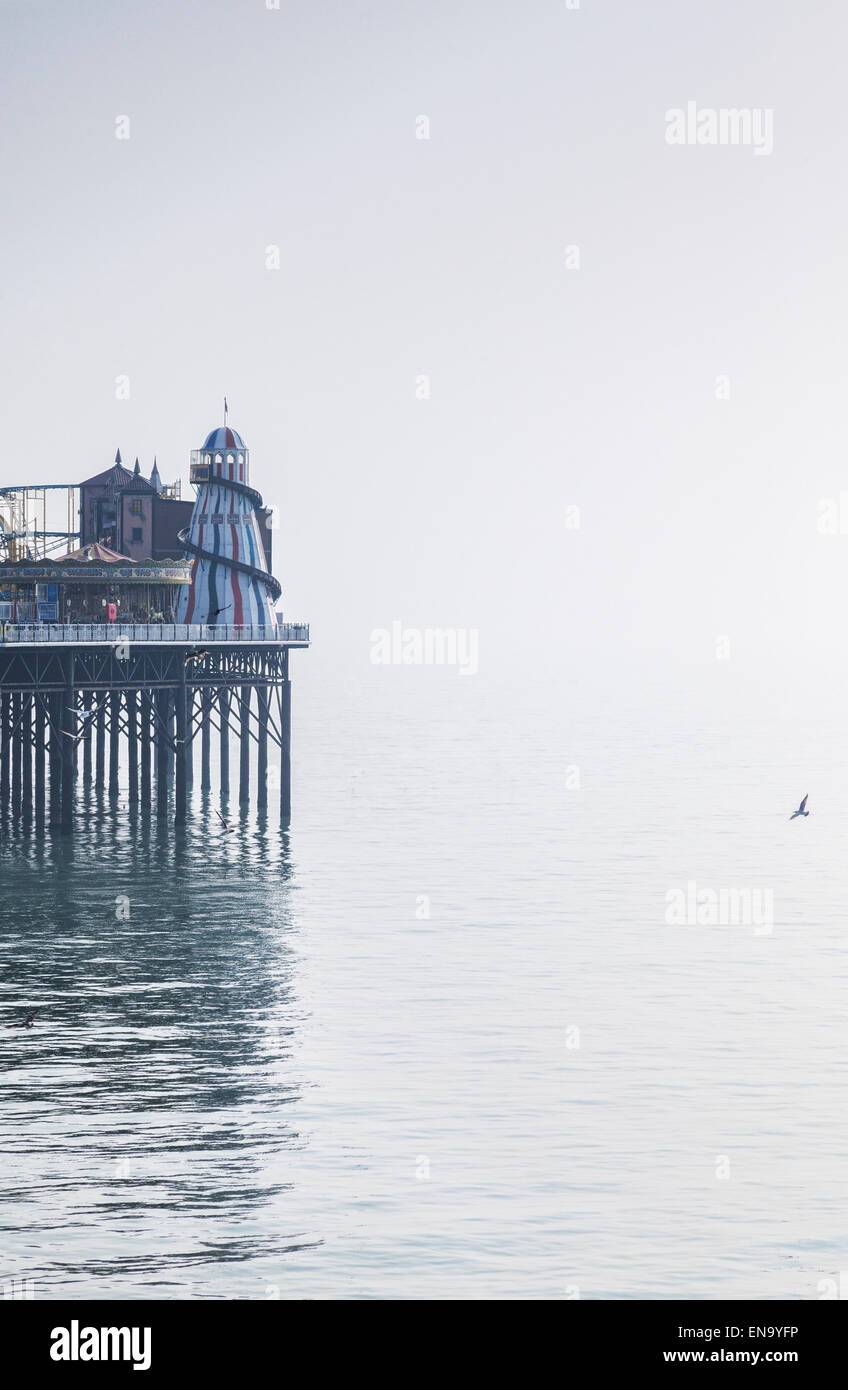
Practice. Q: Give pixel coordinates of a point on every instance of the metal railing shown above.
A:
(112, 633)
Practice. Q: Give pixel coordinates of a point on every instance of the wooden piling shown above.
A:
(244, 746)
(40, 736)
(205, 740)
(26, 737)
(145, 704)
(114, 742)
(132, 745)
(55, 737)
(262, 748)
(16, 754)
(181, 725)
(68, 742)
(160, 741)
(224, 711)
(100, 744)
(87, 705)
(285, 750)
(5, 748)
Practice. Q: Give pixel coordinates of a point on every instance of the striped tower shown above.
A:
(230, 580)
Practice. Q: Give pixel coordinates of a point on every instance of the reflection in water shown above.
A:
(154, 1090)
(441, 1041)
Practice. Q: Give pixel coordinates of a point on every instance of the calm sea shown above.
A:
(441, 1038)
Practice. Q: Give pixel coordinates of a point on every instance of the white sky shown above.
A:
(550, 387)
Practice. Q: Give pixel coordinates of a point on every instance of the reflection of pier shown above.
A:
(146, 693)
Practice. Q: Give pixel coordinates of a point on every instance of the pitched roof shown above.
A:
(120, 479)
(96, 551)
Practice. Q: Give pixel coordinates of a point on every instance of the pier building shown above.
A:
(132, 706)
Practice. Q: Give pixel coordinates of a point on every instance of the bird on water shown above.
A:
(801, 811)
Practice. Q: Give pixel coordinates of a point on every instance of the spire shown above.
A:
(155, 480)
(118, 456)
(137, 469)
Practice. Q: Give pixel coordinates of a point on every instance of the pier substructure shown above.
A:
(100, 747)
(54, 737)
(5, 747)
(16, 755)
(244, 746)
(205, 741)
(224, 728)
(68, 739)
(26, 739)
(262, 749)
(149, 706)
(131, 700)
(39, 751)
(114, 741)
(145, 709)
(87, 702)
(182, 735)
(160, 740)
(284, 694)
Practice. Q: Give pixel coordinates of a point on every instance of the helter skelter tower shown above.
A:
(231, 582)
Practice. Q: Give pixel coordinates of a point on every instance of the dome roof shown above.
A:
(224, 438)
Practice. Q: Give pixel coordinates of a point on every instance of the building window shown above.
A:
(137, 533)
(135, 506)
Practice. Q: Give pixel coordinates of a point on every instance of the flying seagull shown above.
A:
(225, 823)
(27, 1023)
(87, 716)
(199, 654)
(74, 737)
(216, 611)
(800, 811)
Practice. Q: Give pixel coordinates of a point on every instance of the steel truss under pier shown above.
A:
(63, 707)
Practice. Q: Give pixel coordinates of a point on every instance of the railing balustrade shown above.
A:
(112, 633)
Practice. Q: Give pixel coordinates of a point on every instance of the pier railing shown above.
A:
(112, 633)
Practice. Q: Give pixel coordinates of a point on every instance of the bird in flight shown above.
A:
(74, 737)
(225, 823)
(800, 811)
(27, 1023)
(199, 654)
(216, 611)
(88, 718)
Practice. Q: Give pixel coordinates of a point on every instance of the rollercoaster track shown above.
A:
(216, 481)
(273, 585)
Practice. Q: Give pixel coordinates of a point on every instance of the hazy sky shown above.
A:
(399, 257)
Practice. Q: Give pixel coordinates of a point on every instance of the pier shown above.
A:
(98, 680)
(84, 703)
